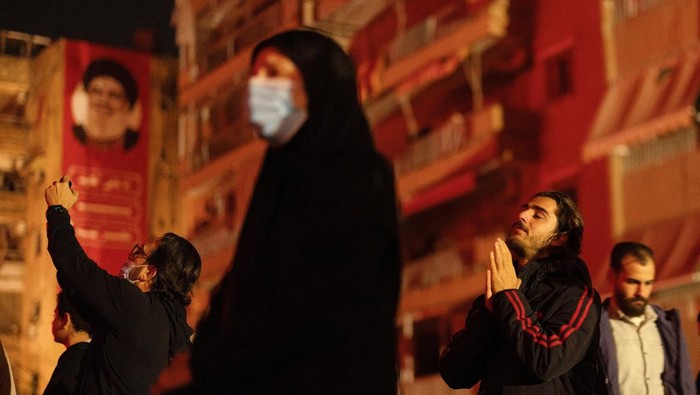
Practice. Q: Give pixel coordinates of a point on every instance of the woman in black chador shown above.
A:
(309, 303)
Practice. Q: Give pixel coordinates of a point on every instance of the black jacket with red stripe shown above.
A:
(540, 339)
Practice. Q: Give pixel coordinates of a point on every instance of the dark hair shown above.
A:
(569, 220)
(64, 306)
(622, 249)
(178, 267)
(111, 68)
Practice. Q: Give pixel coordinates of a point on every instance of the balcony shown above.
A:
(232, 28)
(433, 168)
(646, 105)
(13, 206)
(664, 169)
(450, 292)
(14, 136)
(225, 35)
(341, 18)
(11, 244)
(14, 85)
(638, 32)
(14, 255)
(216, 127)
(439, 37)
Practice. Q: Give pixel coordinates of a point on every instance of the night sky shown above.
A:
(107, 22)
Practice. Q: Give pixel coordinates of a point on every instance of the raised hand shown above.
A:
(61, 193)
(502, 271)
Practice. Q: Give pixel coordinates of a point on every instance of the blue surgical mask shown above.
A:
(272, 109)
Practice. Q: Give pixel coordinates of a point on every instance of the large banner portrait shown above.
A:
(105, 148)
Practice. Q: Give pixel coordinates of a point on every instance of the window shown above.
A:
(11, 307)
(558, 75)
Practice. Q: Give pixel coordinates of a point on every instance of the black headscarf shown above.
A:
(336, 126)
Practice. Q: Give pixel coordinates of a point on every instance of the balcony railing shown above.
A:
(14, 255)
(342, 18)
(458, 133)
(224, 42)
(218, 127)
(625, 9)
(449, 33)
(13, 206)
(425, 33)
(445, 140)
(457, 145)
(14, 135)
(655, 151)
(640, 33)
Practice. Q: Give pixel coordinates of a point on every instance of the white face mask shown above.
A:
(127, 269)
(272, 109)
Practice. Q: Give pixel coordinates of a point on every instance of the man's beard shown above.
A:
(536, 246)
(628, 306)
(517, 247)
